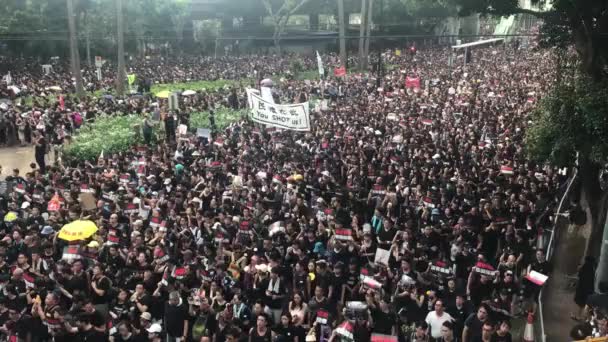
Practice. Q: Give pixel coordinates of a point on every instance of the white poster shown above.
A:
(320, 64)
(291, 116)
(266, 93)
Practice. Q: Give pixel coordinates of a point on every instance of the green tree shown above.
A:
(279, 12)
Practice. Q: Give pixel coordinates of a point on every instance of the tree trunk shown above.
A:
(74, 53)
(120, 75)
(88, 42)
(362, 28)
(342, 33)
(368, 29)
(313, 19)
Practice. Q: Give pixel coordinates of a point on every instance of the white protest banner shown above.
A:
(291, 116)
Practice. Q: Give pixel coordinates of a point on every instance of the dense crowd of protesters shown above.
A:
(406, 212)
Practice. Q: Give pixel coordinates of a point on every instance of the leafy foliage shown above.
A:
(110, 134)
(571, 119)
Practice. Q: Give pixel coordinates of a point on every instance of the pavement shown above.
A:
(16, 157)
(558, 296)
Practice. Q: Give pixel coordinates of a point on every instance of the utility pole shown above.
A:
(362, 28)
(368, 29)
(121, 74)
(75, 55)
(380, 47)
(341, 30)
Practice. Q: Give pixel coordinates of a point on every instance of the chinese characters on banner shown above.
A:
(291, 116)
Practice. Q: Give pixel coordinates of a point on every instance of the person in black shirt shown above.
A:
(40, 151)
(100, 289)
(473, 325)
(87, 332)
(17, 325)
(285, 330)
(176, 318)
(384, 321)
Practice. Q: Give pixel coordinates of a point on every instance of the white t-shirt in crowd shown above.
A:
(435, 322)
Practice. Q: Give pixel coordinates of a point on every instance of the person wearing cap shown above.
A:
(154, 332)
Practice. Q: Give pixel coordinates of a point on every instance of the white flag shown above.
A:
(8, 78)
(320, 63)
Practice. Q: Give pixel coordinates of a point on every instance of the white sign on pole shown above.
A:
(174, 101)
(98, 62)
(47, 68)
(320, 63)
(98, 73)
(292, 116)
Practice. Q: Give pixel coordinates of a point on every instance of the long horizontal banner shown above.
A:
(291, 116)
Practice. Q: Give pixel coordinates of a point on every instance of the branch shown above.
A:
(537, 14)
(268, 7)
(295, 9)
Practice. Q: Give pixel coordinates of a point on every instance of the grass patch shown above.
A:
(199, 85)
(223, 118)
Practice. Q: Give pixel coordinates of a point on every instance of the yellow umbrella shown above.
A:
(77, 230)
(10, 217)
(163, 94)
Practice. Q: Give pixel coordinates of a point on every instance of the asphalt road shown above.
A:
(16, 157)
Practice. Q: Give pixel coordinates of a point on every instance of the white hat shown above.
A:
(25, 205)
(155, 328)
(167, 181)
(325, 173)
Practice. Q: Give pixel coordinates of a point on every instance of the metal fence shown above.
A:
(563, 195)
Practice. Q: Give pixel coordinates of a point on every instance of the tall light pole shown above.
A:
(341, 30)
(74, 54)
(121, 74)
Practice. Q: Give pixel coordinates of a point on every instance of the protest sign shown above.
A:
(87, 201)
(485, 269)
(294, 117)
(203, 133)
(412, 82)
(382, 256)
(340, 71)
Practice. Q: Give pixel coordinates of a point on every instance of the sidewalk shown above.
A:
(558, 297)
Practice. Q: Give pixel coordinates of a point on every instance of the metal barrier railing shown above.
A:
(549, 252)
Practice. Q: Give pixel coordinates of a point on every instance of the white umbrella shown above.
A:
(188, 93)
(55, 88)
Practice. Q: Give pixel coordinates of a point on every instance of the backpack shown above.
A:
(199, 328)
